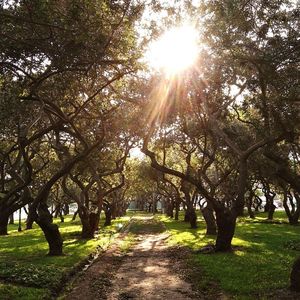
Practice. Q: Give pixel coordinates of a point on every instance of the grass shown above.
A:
(9, 292)
(262, 263)
(23, 259)
(142, 226)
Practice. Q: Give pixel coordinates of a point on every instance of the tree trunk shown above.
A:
(11, 219)
(66, 209)
(186, 216)
(177, 207)
(294, 220)
(20, 220)
(169, 209)
(57, 210)
(208, 215)
(295, 276)
(226, 221)
(94, 221)
(113, 211)
(30, 218)
(192, 217)
(107, 217)
(271, 211)
(250, 212)
(50, 230)
(3, 224)
(86, 232)
(75, 214)
(249, 205)
(62, 219)
(258, 203)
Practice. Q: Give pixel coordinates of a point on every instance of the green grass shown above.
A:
(23, 258)
(262, 263)
(142, 226)
(127, 243)
(12, 292)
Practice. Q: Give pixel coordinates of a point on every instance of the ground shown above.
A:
(153, 257)
(146, 271)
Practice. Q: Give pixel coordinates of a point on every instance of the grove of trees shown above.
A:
(76, 97)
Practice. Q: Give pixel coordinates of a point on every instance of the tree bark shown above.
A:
(50, 230)
(75, 214)
(30, 217)
(11, 219)
(208, 215)
(86, 232)
(66, 209)
(186, 216)
(3, 224)
(94, 221)
(192, 217)
(249, 205)
(108, 216)
(294, 214)
(177, 207)
(226, 221)
(271, 210)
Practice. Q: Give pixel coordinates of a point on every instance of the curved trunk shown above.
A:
(87, 231)
(208, 215)
(30, 218)
(50, 230)
(294, 214)
(11, 219)
(226, 221)
(271, 210)
(257, 203)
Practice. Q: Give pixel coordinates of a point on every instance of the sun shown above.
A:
(175, 51)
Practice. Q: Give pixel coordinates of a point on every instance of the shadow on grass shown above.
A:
(261, 263)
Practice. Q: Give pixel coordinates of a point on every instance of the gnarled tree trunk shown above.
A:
(192, 216)
(210, 221)
(11, 219)
(226, 221)
(44, 219)
(30, 217)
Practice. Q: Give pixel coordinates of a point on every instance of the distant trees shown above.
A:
(73, 104)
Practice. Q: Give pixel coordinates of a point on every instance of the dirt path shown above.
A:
(145, 272)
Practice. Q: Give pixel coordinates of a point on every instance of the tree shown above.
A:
(58, 64)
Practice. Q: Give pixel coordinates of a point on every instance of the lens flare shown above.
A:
(175, 51)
